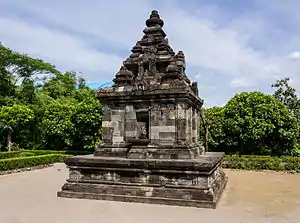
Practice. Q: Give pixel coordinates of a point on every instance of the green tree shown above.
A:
(214, 118)
(15, 68)
(85, 93)
(26, 93)
(254, 123)
(62, 85)
(56, 126)
(5, 136)
(81, 83)
(22, 66)
(87, 123)
(16, 122)
(287, 95)
(63, 111)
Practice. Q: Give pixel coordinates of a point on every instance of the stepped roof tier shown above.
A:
(152, 66)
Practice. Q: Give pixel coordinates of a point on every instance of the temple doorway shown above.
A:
(143, 124)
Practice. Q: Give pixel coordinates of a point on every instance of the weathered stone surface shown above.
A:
(196, 182)
(150, 149)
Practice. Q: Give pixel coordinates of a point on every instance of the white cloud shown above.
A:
(112, 22)
(226, 49)
(204, 42)
(295, 55)
(239, 82)
(59, 48)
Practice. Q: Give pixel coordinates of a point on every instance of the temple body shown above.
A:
(152, 111)
(150, 149)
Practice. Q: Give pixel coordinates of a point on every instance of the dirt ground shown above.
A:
(30, 197)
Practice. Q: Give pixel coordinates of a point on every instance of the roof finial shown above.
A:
(154, 19)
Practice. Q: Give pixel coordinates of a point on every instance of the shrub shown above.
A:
(23, 162)
(25, 153)
(7, 155)
(68, 152)
(284, 163)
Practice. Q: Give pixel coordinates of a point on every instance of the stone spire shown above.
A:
(153, 61)
(154, 20)
(154, 33)
(123, 77)
(180, 61)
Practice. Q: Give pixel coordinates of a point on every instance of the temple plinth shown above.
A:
(150, 151)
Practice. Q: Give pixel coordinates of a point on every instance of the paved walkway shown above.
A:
(30, 197)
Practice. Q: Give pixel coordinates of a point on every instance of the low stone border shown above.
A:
(25, 169)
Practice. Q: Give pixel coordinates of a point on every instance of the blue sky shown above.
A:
(230, 46)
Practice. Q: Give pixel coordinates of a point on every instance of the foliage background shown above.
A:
(43, 108)
(253, 123)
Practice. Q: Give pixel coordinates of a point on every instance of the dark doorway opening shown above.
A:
(143, 121)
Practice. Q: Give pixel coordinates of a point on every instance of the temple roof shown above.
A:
(154, 20)
(153, 62)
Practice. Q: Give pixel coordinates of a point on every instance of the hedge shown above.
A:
(30, 161)
(25, 153)
(27, 158)
(248, 162)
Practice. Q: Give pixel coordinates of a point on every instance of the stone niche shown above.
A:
(150, 151)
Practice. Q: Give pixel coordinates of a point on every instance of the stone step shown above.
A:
(144, 191)
(138, 199)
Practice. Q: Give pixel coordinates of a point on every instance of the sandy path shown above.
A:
(30, 197)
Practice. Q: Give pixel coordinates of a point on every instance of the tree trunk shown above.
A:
(9, 142)
(205, 127)
(206, 136)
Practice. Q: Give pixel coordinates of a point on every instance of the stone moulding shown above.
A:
(153, 97)
(195, 183)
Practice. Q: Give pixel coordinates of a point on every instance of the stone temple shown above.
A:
(150, 151)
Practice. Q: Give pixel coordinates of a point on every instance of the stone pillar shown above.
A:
(107, 128)
(181, 126)
(130, 128)
(189, 124)
(167, 129)
(155, 115)
(194, 125)
(197, 116)
(117, 122)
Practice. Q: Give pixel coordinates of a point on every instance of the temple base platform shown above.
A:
(195, 182)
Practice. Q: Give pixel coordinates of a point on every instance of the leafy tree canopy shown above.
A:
(254, 123)
(16, 68)
(287, 95)
(60, 113)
